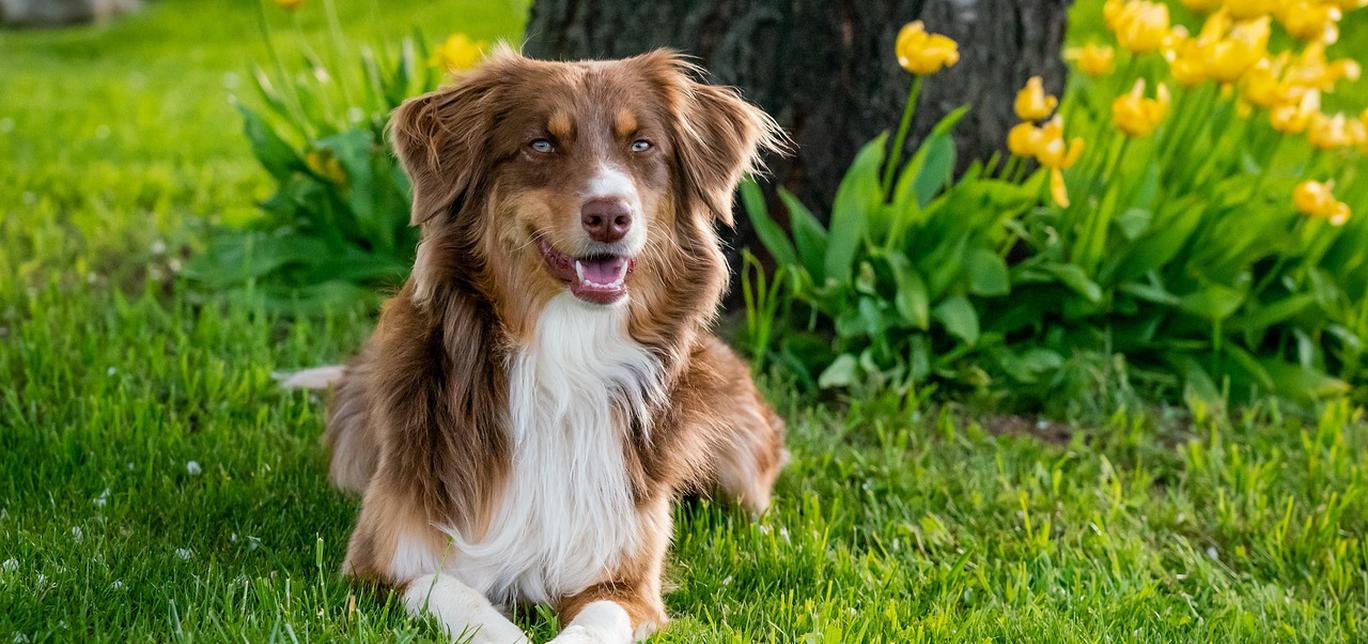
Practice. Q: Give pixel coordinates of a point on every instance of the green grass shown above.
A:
(118, 144)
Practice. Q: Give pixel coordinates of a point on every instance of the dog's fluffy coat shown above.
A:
(515, 443)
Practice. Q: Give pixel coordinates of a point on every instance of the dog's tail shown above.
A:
(315, 378)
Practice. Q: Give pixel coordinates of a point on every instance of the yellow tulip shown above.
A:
(1246, 9)
(1349, 5)
(457, 52)
(1316, 199)
(1055, 155)
(1032, 103)
(289, 5)
(1024, 139)
(1329, 132)
(924, 53)
(1293, 118)
(1046, 145)
(1215, 27)
(1311, 21)
(1311, 69)
(1052, 152)
(1138, 116)
(1093, 60)
(1111, 13)
(1186, 60)
(1346, 68)
(1188, 70)
(1262, 84)
(1059, 191)
(1230, 57)
(1203, 6)
(1358, 133)
(1141, 26)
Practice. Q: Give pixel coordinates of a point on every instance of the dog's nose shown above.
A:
(606, 220)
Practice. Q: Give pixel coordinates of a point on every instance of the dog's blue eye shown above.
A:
(641, 145)
(541, 145)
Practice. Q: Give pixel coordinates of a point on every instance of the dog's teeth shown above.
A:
(579, 270)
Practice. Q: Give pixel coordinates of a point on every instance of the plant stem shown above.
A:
(288, 92)
(895, 154)
(339, 49)
(1096, 224)
(1263, 172)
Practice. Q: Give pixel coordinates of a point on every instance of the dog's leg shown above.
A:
(612, 614)
(465, 614)
(751, 456)
(393, 546)
(602, 621)
(628, 608)
(748, 436)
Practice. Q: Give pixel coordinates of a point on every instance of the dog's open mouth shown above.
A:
(601, 279)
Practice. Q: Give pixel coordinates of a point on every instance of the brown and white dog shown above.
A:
(545, 384)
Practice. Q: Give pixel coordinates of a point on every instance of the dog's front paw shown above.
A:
(580, 634)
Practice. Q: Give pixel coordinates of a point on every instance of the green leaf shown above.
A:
(1134, 222)
(936, 172)
(1198, 382)
(988, 274)
(808, 235)
(856, 200)
(769, 232)
(275, 155)
(238, 257)
(1296, 381)
(945, 265)
(931, 167)
(1075, 278)
(865, 280)
(1029, 366)
(1155, 250)
(959, 318)
(1153, 293)
(357, 153)
(912, 299)
(1249, 364)
(1215, 302)
(840, 373)
(1270, 314)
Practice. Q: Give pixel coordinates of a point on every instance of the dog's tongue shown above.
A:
(604, 272)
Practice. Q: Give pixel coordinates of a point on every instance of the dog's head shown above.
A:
(599, 178)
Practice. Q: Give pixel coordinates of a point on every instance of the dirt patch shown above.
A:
(1038, 428)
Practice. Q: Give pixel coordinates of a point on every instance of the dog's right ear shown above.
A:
(442, 139)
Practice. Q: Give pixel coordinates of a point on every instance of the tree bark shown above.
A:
(826, 68)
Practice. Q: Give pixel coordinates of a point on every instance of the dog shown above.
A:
(545, 385)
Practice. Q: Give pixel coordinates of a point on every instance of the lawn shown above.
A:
(155, 484)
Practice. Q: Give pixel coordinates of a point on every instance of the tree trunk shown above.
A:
(825, 68)
(57, 13)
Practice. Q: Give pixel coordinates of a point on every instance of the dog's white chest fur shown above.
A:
(566, 514)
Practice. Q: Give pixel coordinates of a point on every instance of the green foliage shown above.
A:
(1196, 268)
(893, 283)
(336, 230)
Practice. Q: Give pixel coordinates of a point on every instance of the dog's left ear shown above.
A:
(720, 136)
